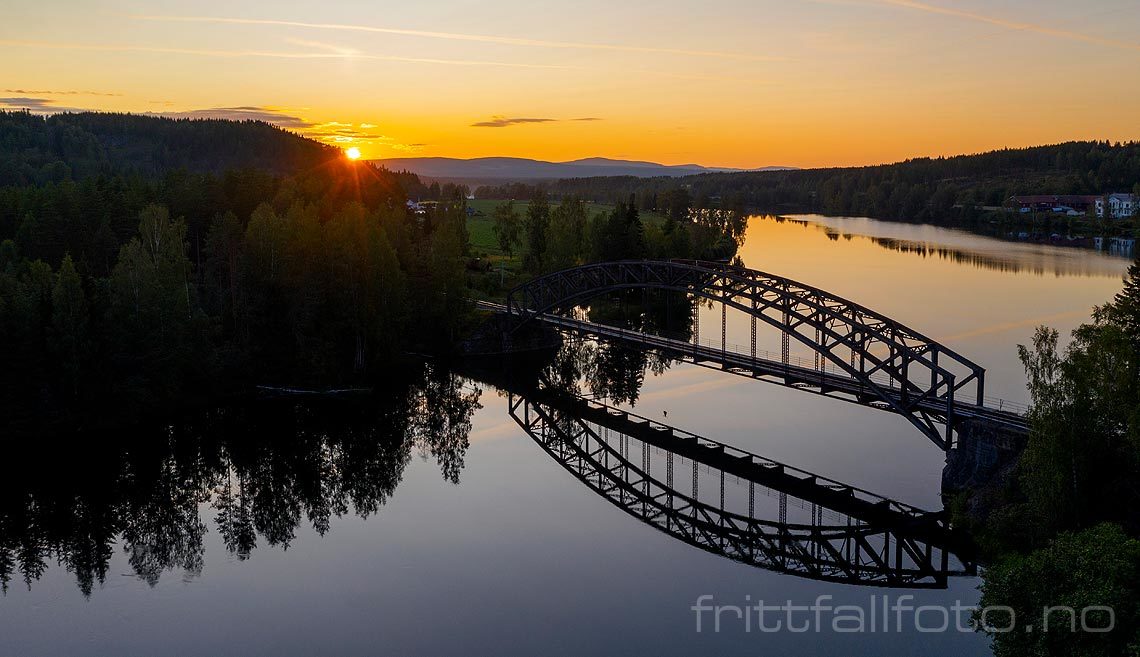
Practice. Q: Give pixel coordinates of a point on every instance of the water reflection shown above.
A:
(254, 472)
(1063, 258)
(259, 469)
(842, 534)
(722, 499)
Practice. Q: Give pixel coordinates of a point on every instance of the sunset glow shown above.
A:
(352, 153)
(754, 83)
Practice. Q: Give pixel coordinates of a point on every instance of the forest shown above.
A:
(138, 278)
(147, 263)
(1060, 527)
(945, 190)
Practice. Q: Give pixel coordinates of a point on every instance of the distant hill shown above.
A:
(36, 149)
(948, 190)
(515, 168)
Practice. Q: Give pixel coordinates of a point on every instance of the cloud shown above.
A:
(40, 92)
(272, 115)
(38, 105)
(272, 54)
(330, 47)
(1035, 28)
(504, 122)
(329, 132)
(453, 36)
(30, 104)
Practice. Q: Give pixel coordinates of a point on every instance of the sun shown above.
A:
(352, 153)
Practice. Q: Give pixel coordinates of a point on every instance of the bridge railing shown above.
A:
(821, 365)
(827, 367)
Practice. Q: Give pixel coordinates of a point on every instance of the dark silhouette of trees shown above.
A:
(261, 469)
(168, 261)
(535, 230)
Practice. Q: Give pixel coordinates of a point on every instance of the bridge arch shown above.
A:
(923, 376)
(899, 547)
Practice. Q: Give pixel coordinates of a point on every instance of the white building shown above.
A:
(1120, 206)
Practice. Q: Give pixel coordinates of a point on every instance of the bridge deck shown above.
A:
(1001, 415)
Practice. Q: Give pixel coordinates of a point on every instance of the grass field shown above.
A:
(480, 226)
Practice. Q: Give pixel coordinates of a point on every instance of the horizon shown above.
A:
(825, 83)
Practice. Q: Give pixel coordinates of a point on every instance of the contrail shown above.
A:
(270, 54)
(452, 36)
(349, 54)
(1011, 25)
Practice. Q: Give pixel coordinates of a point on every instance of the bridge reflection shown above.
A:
(740, 505)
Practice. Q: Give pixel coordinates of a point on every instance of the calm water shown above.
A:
(425, 521)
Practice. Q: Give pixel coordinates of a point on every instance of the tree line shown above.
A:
(1061, 527)
(556, 235)
(123, 289)
(135, 282)
(943, 190)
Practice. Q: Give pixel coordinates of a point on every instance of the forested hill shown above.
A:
(75, 183)
(36, 149)
(146, 263)
(942, 189)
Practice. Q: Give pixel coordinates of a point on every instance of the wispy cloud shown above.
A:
(1008, 24)
(38, 105)
(31, 104)
(204, 52)
(453, 36)
(505, 122)
(329, 132)
(276, 116)
(330, 47)
(41, 92)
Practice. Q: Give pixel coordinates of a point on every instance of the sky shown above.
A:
(736, 83)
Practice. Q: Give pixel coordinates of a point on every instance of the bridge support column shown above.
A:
(696, 321)
(785, 342)
(753, 325)
(723, 328)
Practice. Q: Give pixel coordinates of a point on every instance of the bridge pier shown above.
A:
(980, 452)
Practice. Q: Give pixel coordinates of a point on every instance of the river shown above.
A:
(425, 521)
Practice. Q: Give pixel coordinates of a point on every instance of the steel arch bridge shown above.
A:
(669, 479)
(874, 359)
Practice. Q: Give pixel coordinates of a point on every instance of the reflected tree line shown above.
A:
(257, 471)
(1038, 263)
(616, 372)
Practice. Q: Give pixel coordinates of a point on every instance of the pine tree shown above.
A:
(1125, 308)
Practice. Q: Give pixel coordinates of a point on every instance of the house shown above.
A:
(1120, 206)
(1058, 203)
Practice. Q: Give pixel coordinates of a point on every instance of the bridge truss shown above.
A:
(893, 365)
(680, 485)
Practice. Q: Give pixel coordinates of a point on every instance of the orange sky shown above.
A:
(737, 83)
